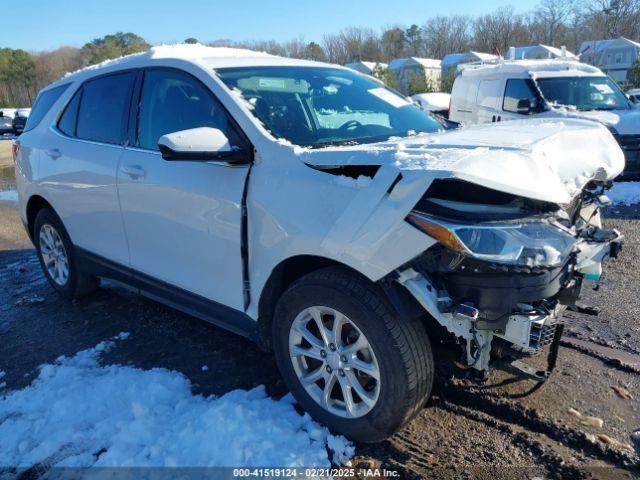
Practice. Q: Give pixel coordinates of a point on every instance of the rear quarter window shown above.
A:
(68, 120)
(43, 104)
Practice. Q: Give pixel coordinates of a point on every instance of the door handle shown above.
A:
(54, 153)
(133, 171)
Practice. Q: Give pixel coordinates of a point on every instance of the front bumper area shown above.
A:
(522, 307)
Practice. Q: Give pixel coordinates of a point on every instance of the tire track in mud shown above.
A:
(520, 423)
(620, 359)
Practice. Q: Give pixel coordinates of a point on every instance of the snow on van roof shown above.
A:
(539, 68)
(209, 57)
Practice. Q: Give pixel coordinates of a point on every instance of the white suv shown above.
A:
(311, 209)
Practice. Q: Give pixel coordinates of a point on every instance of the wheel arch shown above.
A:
(34, 205)
(281, 277)
(294, 268)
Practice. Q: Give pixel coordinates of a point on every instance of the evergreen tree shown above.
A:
(386, 75)
(420, 84)
(113, 46)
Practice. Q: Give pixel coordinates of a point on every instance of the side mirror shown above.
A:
(203, 144)
(524, 106)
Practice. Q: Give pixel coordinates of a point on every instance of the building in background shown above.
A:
(542, 52)
(614, 57)
(366, 67)
(409, 69)
(451, 61)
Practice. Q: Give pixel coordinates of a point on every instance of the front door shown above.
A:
(182, 218)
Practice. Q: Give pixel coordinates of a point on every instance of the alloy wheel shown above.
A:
(54, 255)
(334, 362)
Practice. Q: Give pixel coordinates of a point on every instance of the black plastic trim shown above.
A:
(244, 243)
(190, 303)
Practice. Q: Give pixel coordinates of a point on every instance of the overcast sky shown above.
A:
(48, 24)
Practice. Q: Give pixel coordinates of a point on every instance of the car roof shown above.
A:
(537, 68)
(206, 57)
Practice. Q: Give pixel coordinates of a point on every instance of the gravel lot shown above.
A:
(470, 429)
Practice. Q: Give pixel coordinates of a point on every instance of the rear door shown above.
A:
(463, 99)
(80, 160)
(183, 218)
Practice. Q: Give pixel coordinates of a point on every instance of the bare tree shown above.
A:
(443, 35)
(497, 31)
(352, 44)
(614, 18)
(552, 17)
(50, 66)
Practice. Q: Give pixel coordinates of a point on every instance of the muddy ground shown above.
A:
(6, 163)
(469, 429)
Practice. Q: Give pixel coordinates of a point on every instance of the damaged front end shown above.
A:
(505, 267)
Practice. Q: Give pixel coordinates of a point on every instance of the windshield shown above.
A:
(583, 93)
(316, 106)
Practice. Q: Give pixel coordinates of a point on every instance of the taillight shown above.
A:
(15, 148)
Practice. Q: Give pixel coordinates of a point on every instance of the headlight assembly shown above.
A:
(529, 243)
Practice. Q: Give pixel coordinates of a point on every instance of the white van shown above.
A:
(518, 89)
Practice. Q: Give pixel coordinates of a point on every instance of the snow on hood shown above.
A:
(625, 122)
(540, 159)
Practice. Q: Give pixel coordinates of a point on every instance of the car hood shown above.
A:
(624, 122)
(540, 159)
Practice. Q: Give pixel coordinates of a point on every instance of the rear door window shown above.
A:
(43, 104)
(172, 101)
(104, 108)
(518, 89)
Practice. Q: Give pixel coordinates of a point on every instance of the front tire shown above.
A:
(59, 259)
(347, 358)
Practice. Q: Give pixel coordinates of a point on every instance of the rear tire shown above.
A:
(396, 351)
(59, 259)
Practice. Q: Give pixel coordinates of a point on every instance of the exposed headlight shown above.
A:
(532, 243)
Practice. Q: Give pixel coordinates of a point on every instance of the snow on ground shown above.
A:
(79, 413)
(9, 196)
(625, 193)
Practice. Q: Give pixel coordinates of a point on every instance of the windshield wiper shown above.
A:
(333, 143)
